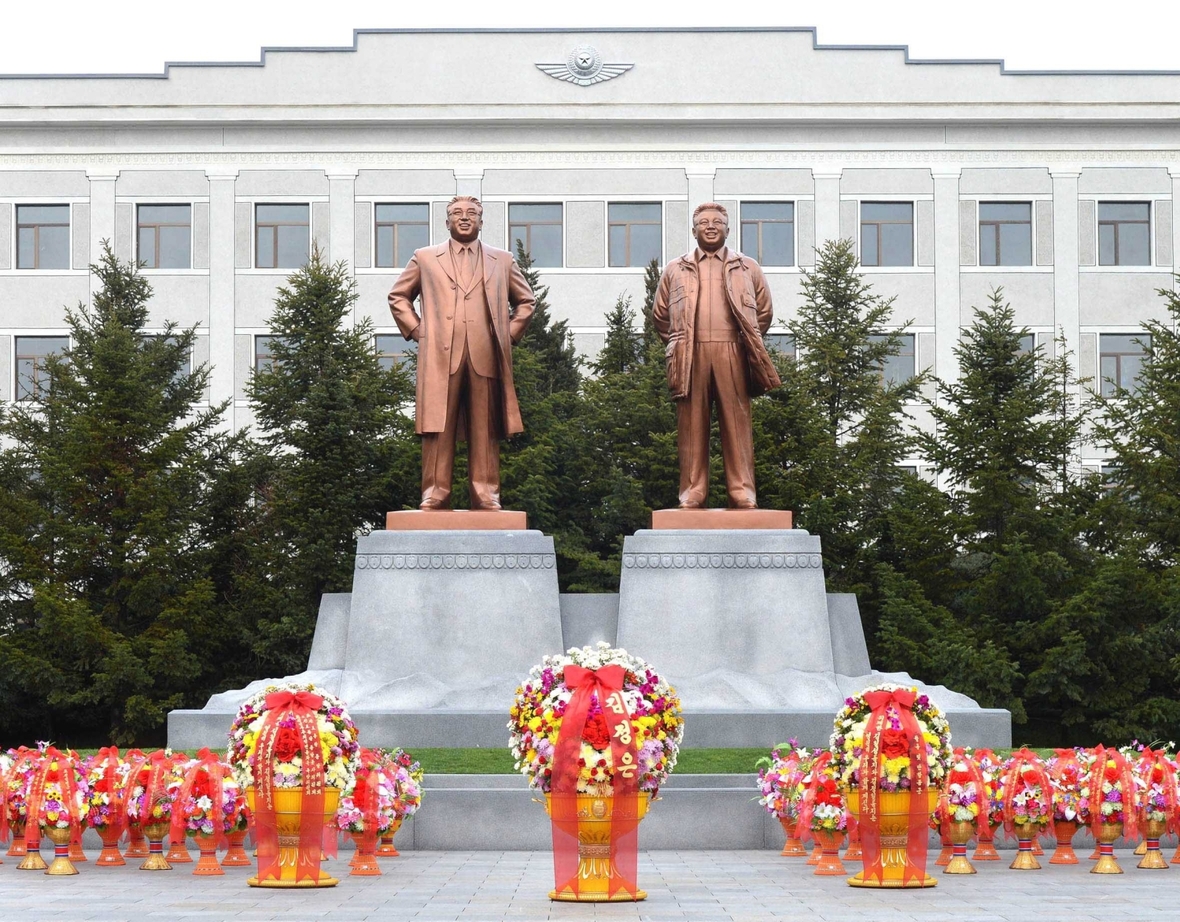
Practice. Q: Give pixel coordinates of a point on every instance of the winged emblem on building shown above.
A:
(584, 67)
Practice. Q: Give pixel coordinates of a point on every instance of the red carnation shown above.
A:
(596, 732)
(894, 744)
(286, 744)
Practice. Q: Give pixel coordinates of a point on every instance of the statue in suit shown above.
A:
(476, 305)
(711, 308)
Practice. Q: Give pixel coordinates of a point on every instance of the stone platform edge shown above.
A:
(714, 729)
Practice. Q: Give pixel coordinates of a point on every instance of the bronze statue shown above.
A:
(712, 307)
(476, 306)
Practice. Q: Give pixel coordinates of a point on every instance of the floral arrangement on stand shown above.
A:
(823, 813)
(540, 704)
(406, 775)
(17, 781)
(368, 809)
(1159, 802)
(207, 807)
(991, 769)
(779, 778)
(1111, 792)
(891, 750)
(597, 731)
(1065, 769)
(106, 780)
(293, 749)
(56, 804)
(963, 807)
(1028, 804)
(153, 783)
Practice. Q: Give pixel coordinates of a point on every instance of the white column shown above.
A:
(827, 205)
(221, 289)
(1174, 172)
(469, 182)
(1066, 309)
(947, 296)
(341, 215)
(700, 189)
(102, 216)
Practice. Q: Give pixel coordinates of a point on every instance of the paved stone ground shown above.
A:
(695, 886)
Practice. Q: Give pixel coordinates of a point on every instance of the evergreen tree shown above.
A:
(1112, 653)
(107, 613)
(623, 348)
(341, 449)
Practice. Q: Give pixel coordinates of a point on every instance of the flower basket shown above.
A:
(598, 731)
(17, 781)
(153, 782)
(56, 806)
(207, 808)
(106, 782)
(1065, 770)
(991, 769)
(891, 749)
(1110, 789)
(406, 776)
(293, 749)
(1028, 805)
(368, 809)
(1159, 800)
(823, 814)
(779, 777)
(962, 804)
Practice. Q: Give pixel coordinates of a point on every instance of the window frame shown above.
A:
(912, 354)
(274, 226)
(1116, 224)
(996, 224)
(862, 223)
(268, 357)
(139, 226)
(773, 338)
(18, 226)
(627, 234)
(35, 390)
(378, 224)
(400, 358)
(793, 255)
(560, 222)
(1107, 387)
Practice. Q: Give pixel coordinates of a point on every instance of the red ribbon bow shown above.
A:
(869, 781)
(314, 837)
(603, 686)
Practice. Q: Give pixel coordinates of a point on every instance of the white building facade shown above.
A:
(593, 147)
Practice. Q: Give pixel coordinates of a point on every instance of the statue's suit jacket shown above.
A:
(430, 274)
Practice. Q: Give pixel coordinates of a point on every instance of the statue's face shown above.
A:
(464, 220)
(710, 230)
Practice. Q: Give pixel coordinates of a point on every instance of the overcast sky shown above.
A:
(139, 36)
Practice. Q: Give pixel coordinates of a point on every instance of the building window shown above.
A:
(538, 229)
(886, 233)
(1120, 360)
(186, 368)
(264, 359)
(1005, 233)
(165, 234)
(43, 236)
(780, 342)
(401, 229)
(635, 233)
(768, 232)
(1124, 234)
(1028, 344)
(32, 381)
(393, 350)
(897, 369)
(282, 235)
